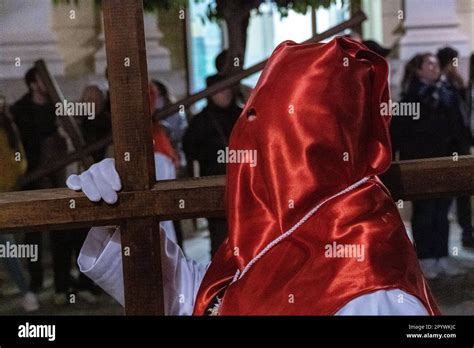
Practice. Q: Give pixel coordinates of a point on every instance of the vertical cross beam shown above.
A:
(132, 133)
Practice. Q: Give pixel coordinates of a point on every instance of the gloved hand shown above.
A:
(100, 181)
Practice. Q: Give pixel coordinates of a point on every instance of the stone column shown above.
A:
(465, 10)
(372, 28)
(430, 25)
(391, 21)
(77, 27)
(158, 57)
(26, 35)
(172, 37)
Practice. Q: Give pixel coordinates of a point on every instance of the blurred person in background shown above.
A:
(374, 46)
(68, 245)
(175, 124)
(100, 127)
(427, 136)
(241, 91)
(34, 114)
(166, 158)
(462, 140)
(209, 132)
(13, 165)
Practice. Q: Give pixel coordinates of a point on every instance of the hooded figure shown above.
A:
(321, 135)
(312, 231)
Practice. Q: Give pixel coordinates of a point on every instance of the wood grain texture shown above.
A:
(133, 145)
(51, 209)
(142, 272)
(429, 178)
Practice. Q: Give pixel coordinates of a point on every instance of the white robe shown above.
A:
(101, 260)
(165, 170)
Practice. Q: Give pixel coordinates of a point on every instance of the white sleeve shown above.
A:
(165, 170)
(164, 167)
(384, 302)
(101, 260)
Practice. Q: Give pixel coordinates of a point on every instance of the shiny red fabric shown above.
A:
(317, 130)
(162, 144)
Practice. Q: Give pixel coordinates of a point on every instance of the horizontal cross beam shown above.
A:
(57, 208)
(204, 197)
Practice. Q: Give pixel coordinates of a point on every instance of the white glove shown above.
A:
(100, 181)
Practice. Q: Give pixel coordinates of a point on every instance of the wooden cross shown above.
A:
(143, 202)
(133, 147)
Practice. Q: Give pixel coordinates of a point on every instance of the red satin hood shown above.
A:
(314, 121)
(317, 130)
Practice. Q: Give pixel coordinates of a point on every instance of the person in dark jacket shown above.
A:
(429, 135)
(100, 127)
(462, 141)
(12, 166)
(209, 132)
(35, 117)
